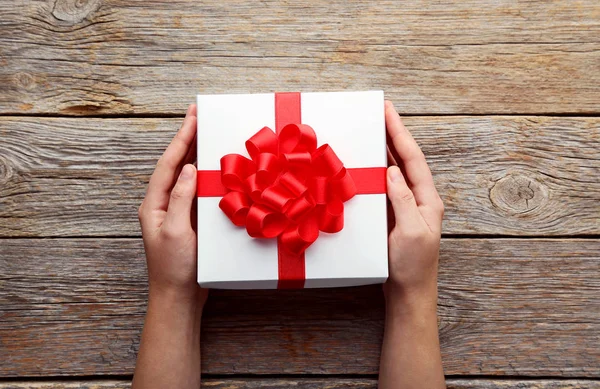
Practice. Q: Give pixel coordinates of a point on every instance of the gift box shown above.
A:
(291, 190)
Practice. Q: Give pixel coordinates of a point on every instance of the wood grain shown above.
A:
(312, 383)
(525, 307)
(497, 175)
(115, 57)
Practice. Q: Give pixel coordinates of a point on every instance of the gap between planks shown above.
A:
(236, 382)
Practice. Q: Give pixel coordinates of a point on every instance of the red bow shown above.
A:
(290, 188)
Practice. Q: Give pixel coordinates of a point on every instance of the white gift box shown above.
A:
(353, 124)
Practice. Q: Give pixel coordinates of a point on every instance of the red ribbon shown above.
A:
(288, 189)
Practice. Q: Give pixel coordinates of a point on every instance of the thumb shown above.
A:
(179, 212)
(402, 199)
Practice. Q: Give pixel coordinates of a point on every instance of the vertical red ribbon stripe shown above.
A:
(292, 267)
(287, 110)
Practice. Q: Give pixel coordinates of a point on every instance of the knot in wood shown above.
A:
(74, 11)
(518, 193)
(5, 171)
(25, 81)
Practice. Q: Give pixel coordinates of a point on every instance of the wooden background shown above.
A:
(503, 96)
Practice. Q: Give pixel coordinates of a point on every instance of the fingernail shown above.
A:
(389, 105)
(394, 173)
(187, 172)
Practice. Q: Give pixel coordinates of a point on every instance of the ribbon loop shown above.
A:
(235, 205)
(267, 168)
(234, 171)
(318, 189)
(264, 141)
(297, 160)
(297, 138)
(292, 183)
(332, 217)
(343, 186)
(264, 223)
(326, 162)
(253, 188)
(277, 197)
(300, 208)
(297, 239)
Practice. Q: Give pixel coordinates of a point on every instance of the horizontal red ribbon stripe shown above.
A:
(209, 184)
(368, 180)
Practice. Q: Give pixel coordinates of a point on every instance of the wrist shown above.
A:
(404, 301)
(172, 313)
(177, 298)
(421, 318)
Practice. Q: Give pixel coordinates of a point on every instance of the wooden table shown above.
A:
(503, 97)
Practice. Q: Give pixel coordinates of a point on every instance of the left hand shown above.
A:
(167, 219)
(414, 242)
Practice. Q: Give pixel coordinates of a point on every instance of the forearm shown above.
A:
(169, 354)
(410, 356)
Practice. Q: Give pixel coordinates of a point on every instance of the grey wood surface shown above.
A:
(523, 307)
(72, 272)
(118, 57)
(497, 175)
(311, 383)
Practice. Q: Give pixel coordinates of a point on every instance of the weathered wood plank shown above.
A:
(496, 175)
(117, 57)
(312, 383)
(521, 384)
(507, 307)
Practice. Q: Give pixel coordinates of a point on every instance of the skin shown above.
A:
(410, 355)
(169, 354)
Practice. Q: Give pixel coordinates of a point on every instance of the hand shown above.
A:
(167, 219)
(414, 241)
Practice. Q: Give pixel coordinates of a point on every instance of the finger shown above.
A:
(194, 216)
(391, 160)
(391, 219)
(192, 152)
(392, 154)
(431, 214)
(393, 157)
(182, 197)
(403, 201)
(410, 156)
(167, 167)
(190, 157)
